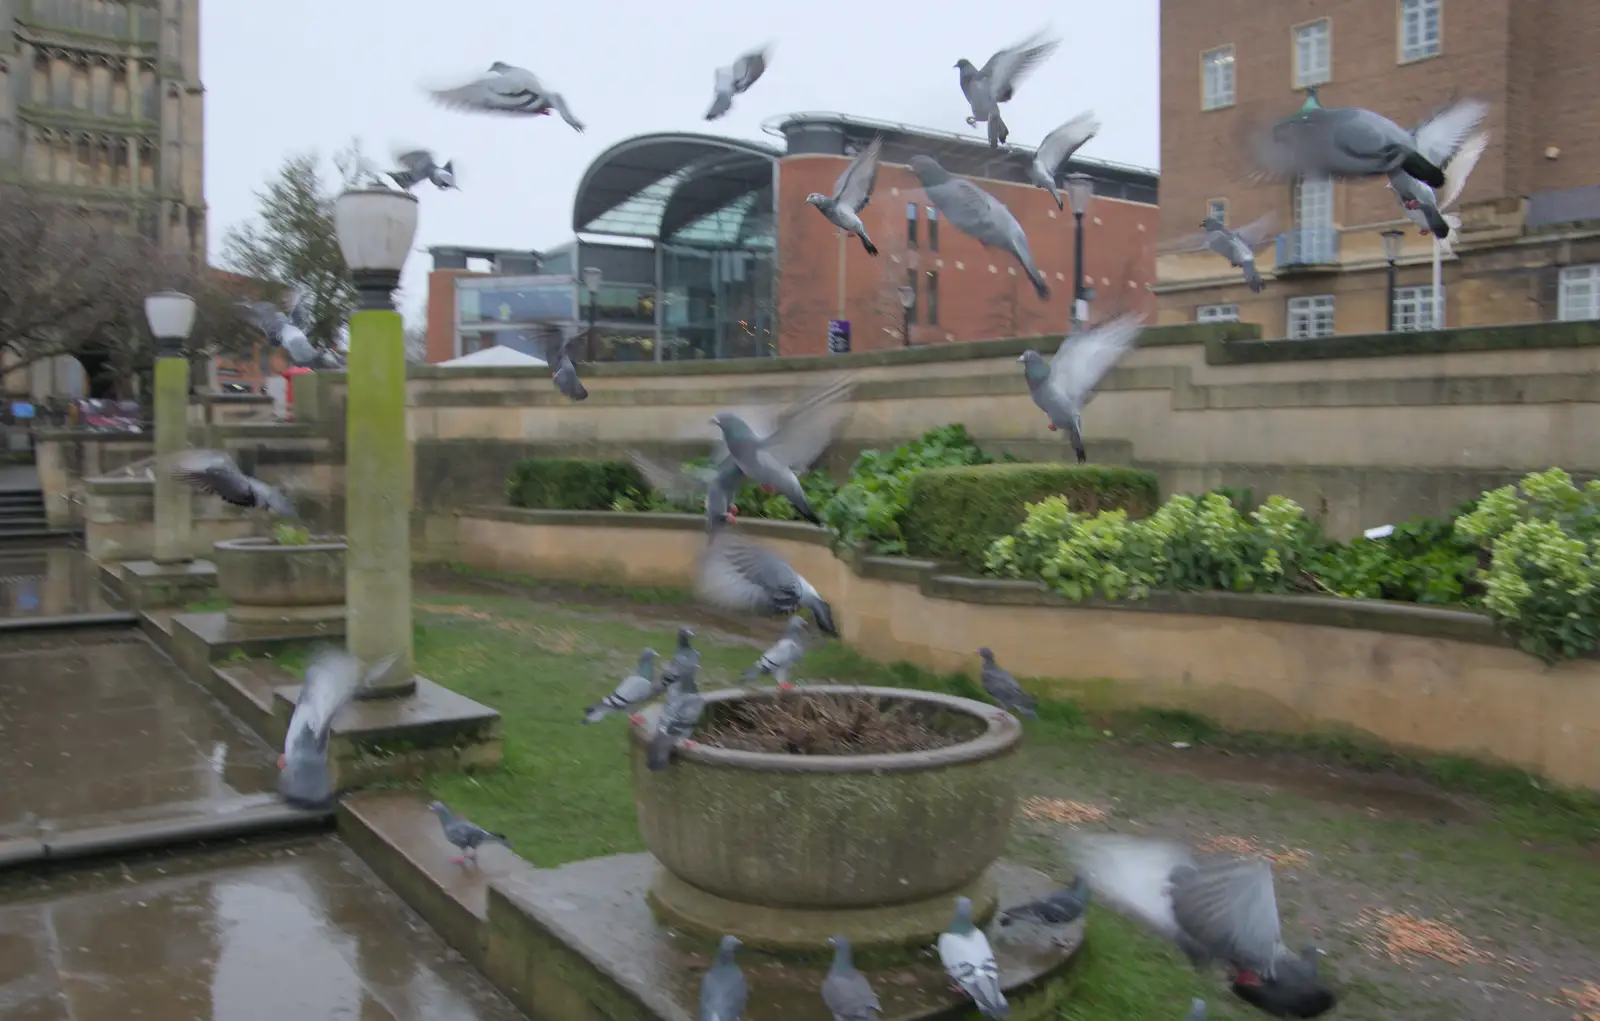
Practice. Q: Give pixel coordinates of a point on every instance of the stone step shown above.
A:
(21, 510)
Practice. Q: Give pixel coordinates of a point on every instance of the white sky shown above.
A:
(293, 75)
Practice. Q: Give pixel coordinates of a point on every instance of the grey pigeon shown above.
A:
(555, 346)
(846, 991)
(770, 453)
(1003, 688)
(851, 193)
(463, 834)
(996, 82)
(969, 961)
(1063, 386)
(332, 678)
(631, 692)
(288, 331)
(1238, 246)
(1223, 911)
(744, 576)
(977, 214)
(214, 472)
(685, 662)
(1063, 907)
(679, 716)
(1423, 205)
(510, 90)
(723, 991)
(781, 658)
(716, 488)
(417, 165)
(1197, 1010)
(1058, 147)
(736, 79)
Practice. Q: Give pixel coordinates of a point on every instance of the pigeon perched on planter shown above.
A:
(681, 714)
(979, 215)
(465, 835)
(631, 692)
(781, 658)
(1003, 688)
(685, 662)
(723, 991)
(770, 448)
(969, 961)
(214, 472)
(417, 165)
(846, 991)
(736, 79)
(1063, 386)
(851, 194)
(996, 82)
(510, 90)
(738, 574)
(1063, 907)
(715, 487)
(1058, 147)
(332, 678)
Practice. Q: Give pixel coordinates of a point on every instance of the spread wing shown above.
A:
(1231, 910)
(1198, 241)
(738, 574)
(300, 308)
(748, 68)
(1084, 358)
(854, 188)
(263, 315)
(1133, 875)
(801, 432)
(214, 472)
(678, 483)
(1259, 231)
(516, 91)
(1460, 168)
(1007, 69)
(331, 679)
(1061, 143)
(416, 162)
(1443, 132)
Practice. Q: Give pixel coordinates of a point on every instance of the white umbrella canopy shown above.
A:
(489, 356)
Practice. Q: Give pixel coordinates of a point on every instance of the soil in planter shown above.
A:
(801, 723)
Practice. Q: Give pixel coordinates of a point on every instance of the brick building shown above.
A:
(1529, 246)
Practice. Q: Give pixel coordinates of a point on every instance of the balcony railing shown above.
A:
(1308, 246)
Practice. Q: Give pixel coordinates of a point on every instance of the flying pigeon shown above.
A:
(1058, 147)
(1063, 386)
(736, 79)
(1197, 1010)
(782, 657)
(214, 472)
(1221, 911)
(631, 692)
(770, 452)
(679, 716)
(332, 677)
(510, 90)
(1063, 907)
(996, 82)
(969, 961)
(1237, 246)
(465, 835)
(741, 575)
(417, 165)
(846, 991)
(723, 991)
(685, 662)
(717, 488)
(1426, 208)
(289, 331)
(979, 215)
(851, 193)
(1003, 688)
(555, 346)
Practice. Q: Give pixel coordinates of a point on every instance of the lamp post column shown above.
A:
(1392, 241)
(1077, 272)
(171, 319)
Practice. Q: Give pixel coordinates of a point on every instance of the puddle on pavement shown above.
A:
(52, 582)
(98, 727)
(296, 931)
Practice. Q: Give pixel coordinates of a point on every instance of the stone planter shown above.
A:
(267, 584)
(785, 850)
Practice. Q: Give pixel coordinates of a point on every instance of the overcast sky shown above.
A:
(293, 75)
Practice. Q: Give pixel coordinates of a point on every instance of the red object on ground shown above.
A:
(288, 388)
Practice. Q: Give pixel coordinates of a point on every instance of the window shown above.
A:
(1216, 78)
(933, 286)
(1413, 309)
(1419, 28)
(911, 311)
(1579, 293)
(1217, 314)
(1217, 209)
(1313, 53)
(1311, 317)
(933, 229)
(1313, 202)
(911, 224)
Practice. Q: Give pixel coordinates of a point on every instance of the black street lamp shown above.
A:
(1080, 192)
(1392, 240)
(592, 276)
(908, 301)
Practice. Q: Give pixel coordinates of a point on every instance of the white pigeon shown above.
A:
(1058, 147)
(510, 90)
(969, 961)
(736, 79)
(851, 193)
(1423, 207)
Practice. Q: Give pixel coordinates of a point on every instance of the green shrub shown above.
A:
(870, 506)
(1422, 561)
(751, 500)
(552, 483)
(955, 513)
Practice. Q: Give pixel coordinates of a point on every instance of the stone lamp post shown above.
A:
(376, 227)
(170, 315)
(1080, 193)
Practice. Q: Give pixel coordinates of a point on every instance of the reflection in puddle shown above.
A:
(50, 583)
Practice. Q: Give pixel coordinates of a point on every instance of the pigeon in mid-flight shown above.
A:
(996, 82)
(631, 692)
(679, 716)
(507, 89)
(214, 472)
(977, 214)
(741, 575)
(847, 993)
(1003, 688)
(1063, 386)
(332, 678)
(1239, 246)
(736, 79)
(769, 449)
(780, 659)
(555, 347)
(716, 488)
(289, 331)
(851, 193)
(723, 991)
(969, 961)
(1058, 147)
(466, 835)
(1425, 207)
(418, 165)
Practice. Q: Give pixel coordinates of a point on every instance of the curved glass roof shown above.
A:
(687, 188)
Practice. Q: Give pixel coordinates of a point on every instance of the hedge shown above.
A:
(955, 513)
(552, 483)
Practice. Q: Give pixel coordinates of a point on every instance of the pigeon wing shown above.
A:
(1059, 145)
(677, 483)
(498, 93)
(1133, 875)
(415, 162)
(1231, 911)
(748, 68)
(738, 574)
(331, 679)
(1259, 231)
(1198, 241)
(802, 431)
(1446, 129)
(972, 211)
(300, 308)
(263, 315)
(1460, 168)
(854, 188)
(1084, 358)
(214, 472)
(556, 100)
(1007, 69)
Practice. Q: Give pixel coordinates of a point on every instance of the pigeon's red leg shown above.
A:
(458, 861)
(785, 685)
(1052, 427)
(636, 719)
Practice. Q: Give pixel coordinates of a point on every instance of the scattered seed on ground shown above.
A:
(1062, 810)
(1586, 998)
(1401, 936)
(1244, 847)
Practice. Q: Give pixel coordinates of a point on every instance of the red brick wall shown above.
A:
(441, 336)
(974, 303)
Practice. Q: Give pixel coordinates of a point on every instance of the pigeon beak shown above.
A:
(1020, 358)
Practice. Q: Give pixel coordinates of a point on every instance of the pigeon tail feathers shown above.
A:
(1422, 169)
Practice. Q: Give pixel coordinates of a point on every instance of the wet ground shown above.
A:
(293, 932)
(49, 582)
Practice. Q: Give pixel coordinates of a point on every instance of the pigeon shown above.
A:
(996, 82)
(741, 575)
(417, 165)
(289, 331)
(1063, 907)
(555, 346)
(1425, 207)
(463, 834)
(685, 662)
(723, 991)
(1003, 688)
(1225, 910)
(979, 215)
(1197, 1010)
(214, 472)
(686, 484)
(736, 79)
(507, 89)
(1063, 386)
(1058, 147)
(332, 677)
(969, 961)
(846, 991)
(851, 193)
(782, 657)
(770, 454)
(634, 690)
(679, 716)
(1237, 246)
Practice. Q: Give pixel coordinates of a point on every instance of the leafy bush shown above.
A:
(1422, 561)
(552, 483)
(955, 513)
(869, 507)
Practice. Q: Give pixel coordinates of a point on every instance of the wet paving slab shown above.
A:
(264, 932)
(50, 582)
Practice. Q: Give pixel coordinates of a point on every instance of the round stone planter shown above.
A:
(784, 851)
(267, 584)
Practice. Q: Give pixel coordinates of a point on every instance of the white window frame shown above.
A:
(1228, 313)
(1218, 82)
(1310, 316)
(1217, 209)
(1414, 41)
(1313, 202)
(1414, 309)
(1578, 293)
(1313, 53)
